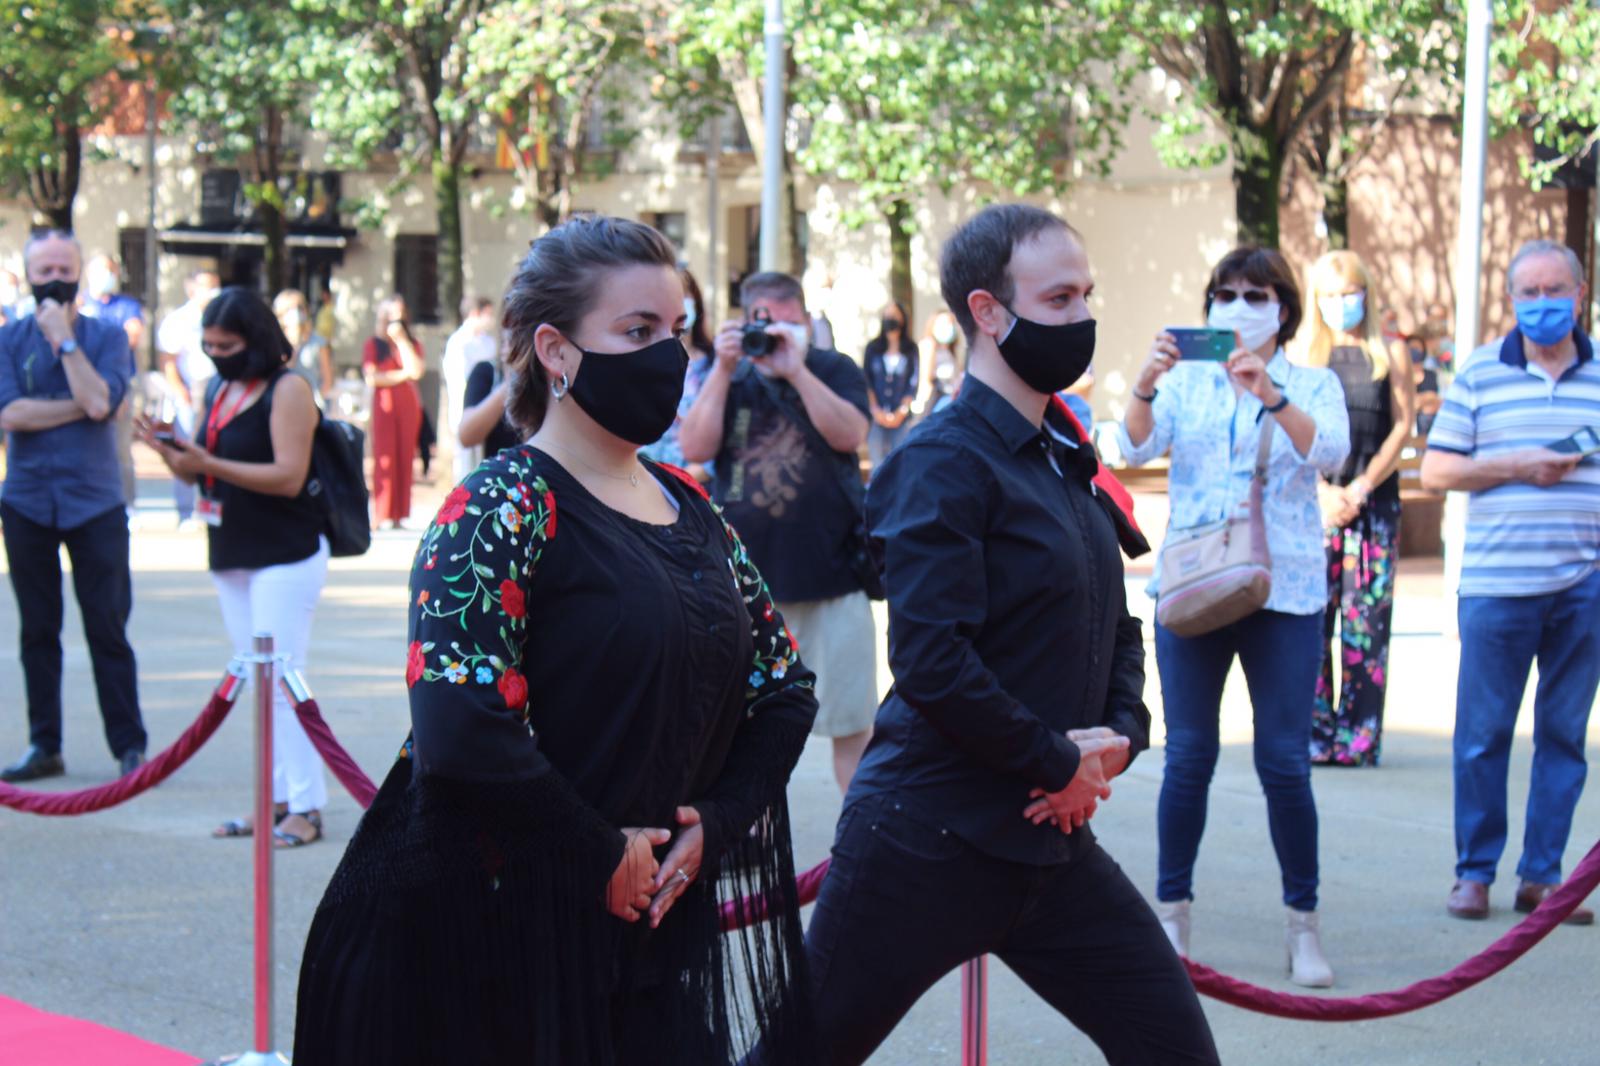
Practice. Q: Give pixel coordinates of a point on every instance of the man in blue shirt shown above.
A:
(62, 377)
(1530, 574)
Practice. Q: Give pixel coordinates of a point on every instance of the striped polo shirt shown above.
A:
(1523, 540)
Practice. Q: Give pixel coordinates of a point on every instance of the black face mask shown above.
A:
(62, 292)
(633, 395)
(1048, 358)
(232, 367)
(892, 325)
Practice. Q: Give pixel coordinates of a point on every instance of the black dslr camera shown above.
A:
(756, 341)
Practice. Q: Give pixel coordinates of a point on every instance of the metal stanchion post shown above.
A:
(262, 1055)
(975, 1012)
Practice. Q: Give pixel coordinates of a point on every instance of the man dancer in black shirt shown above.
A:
(1018, 693)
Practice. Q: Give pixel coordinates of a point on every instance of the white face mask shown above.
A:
(100, 282)
(1254, 325)
(944, 331)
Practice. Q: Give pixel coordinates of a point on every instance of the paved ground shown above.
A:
(136, 919)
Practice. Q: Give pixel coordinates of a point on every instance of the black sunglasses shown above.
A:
(1254, 297)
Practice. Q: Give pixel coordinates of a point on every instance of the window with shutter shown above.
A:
(416, 274)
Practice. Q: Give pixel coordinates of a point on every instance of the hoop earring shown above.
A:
(559, 389)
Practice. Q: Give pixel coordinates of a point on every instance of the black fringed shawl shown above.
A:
(570, 675)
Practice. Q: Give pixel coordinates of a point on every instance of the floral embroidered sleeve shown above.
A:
(470, 598)
(779, 707)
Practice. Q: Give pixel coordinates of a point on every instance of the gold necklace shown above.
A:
(632, 477)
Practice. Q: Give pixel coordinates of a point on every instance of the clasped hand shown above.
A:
(1103, 754)
(640, 885)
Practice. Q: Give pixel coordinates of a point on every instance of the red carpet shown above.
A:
(31, 1037)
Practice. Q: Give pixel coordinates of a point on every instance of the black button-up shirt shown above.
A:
(1008, 623)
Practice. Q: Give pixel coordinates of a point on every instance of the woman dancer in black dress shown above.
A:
(604, 703)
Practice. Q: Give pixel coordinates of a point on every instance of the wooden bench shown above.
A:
(1421, 511)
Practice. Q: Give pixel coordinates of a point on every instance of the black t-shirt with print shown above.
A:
(780, 490)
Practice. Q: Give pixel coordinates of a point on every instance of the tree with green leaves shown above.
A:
(1264, 71)
(395, 74)
(712, 55)
(899, 98)
(56, 56)
(544, 69)
(1545, 79)
(243, 78)
(1410, 50)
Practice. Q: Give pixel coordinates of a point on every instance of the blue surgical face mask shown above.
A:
(1548, 320)
(1343, 313)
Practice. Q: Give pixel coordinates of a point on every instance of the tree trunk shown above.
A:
(1257, 177)
(269, 204)
(54, 190)
(1336, 211)
(447, 207)
(898, 215)
(276, 268)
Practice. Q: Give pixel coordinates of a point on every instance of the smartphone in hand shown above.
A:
(1585, 442)
(165, 433)
(1209, 345)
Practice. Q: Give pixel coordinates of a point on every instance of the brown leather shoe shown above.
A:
(1469, 900)
(1530, 894)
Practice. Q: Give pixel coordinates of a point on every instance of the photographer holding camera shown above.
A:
(783, 421)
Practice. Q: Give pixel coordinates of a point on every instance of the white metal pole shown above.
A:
(1474, 150)
(772, 157)
(1469, 260)
(711, 284)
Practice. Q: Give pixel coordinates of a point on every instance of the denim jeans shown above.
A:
(1281, 655)
(1501, 636)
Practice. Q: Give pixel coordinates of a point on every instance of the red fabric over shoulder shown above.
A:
(687, 478)
(1104, 478)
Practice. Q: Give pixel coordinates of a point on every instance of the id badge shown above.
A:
(208, 511)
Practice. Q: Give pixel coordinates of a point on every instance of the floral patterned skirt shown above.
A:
(1346, 729)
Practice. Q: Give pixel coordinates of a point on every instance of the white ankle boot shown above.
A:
(1175, 923)
(1307, 965)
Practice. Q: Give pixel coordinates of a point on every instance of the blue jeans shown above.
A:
(1500, 638)
(1281, 655)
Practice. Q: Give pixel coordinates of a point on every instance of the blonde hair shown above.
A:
(1328, 276)
(289, 300)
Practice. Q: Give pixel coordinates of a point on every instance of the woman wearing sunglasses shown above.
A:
(1211, 414)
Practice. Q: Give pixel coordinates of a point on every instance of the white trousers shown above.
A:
(281, 600)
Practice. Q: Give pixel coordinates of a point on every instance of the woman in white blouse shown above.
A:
(1211, 415)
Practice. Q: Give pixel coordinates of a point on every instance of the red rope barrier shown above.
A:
(1497, 956)
(1516, 942)
(357, 783)
(146, 777)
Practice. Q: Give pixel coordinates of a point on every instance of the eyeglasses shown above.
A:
(1549, 292)
(1253, 297)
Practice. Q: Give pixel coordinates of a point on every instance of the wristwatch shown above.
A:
(68, 346)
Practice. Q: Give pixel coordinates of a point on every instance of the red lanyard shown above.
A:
(214, 426)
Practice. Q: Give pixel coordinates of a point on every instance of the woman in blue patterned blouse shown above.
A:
(1210, 415)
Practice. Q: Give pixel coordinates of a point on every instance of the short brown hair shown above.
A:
(556, 284)
(978, 255)
(774, 285)
(1265, 267)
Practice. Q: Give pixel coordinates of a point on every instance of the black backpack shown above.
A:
(338, 483)
(337, 480)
